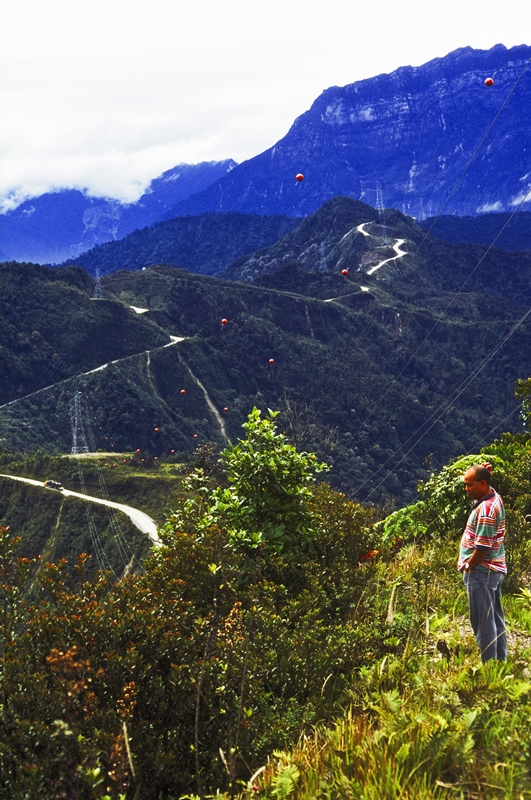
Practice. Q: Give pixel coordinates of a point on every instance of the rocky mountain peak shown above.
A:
(411, 132)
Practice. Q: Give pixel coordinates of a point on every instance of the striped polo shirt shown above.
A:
(485, 530)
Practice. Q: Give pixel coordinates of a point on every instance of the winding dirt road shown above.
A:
(139, 519)
(173, 340)
(399, 254)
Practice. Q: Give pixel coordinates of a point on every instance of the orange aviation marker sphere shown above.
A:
(299, 177)
(489, 82)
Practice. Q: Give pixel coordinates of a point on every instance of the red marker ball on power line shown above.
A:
(271, 360)
(299, 177)
(156, 430)
(138, 451)
(226, 409)
(489, 81)
(224, 321)
(195, 435)
(344, 271)
(183, 391)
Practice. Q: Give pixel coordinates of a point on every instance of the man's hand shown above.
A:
(488, 466)
(473, 560)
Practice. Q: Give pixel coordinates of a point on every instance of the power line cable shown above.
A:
(487, 436)
(126, 552)
(438, 321)
(450, 403)
(476, 151)
(99, 549)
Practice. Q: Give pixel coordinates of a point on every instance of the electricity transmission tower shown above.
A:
(322, 264)
(381, 211)
(79, 440)
(97, 287)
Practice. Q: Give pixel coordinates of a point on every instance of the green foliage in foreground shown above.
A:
(429, 730)
(218, 646)
(201, 674)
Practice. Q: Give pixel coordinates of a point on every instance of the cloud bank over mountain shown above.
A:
(101, 97)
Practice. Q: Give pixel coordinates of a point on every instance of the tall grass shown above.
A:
(422, 725)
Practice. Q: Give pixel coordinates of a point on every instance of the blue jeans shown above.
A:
(486, 612)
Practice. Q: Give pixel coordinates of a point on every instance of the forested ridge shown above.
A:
(377, 379)
(511, 232)
(206, 244)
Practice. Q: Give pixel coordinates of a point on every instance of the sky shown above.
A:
(105, 95)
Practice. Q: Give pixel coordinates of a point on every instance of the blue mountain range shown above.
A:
(408, 136)
(59, 226)
(424, 140)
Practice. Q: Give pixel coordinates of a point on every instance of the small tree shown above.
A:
(267, 501)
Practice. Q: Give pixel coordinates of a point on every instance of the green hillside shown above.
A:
(397, 367)
(51, 328)
(54, 527)
(58, 526)
(205, 244)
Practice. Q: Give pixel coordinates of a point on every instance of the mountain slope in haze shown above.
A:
(205, 244)
(375, 370)
(60, 225)
(412, 133)
(413, 130)
(510, 234)
(209, 244)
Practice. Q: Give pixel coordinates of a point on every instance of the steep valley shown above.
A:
(375, 370)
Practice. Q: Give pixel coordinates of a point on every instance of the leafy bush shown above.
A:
(266, 502)
(224, 648)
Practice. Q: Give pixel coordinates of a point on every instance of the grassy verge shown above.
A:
(427, 719)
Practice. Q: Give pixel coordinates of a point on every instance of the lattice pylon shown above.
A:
(381, 211)
(97, 286)
(79, 440)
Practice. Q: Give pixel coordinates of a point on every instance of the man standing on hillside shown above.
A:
(482, 562)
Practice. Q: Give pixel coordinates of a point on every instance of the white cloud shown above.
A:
(524, 197)
(105, 95)
(487, 208)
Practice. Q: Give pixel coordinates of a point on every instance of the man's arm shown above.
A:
(476, 558)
